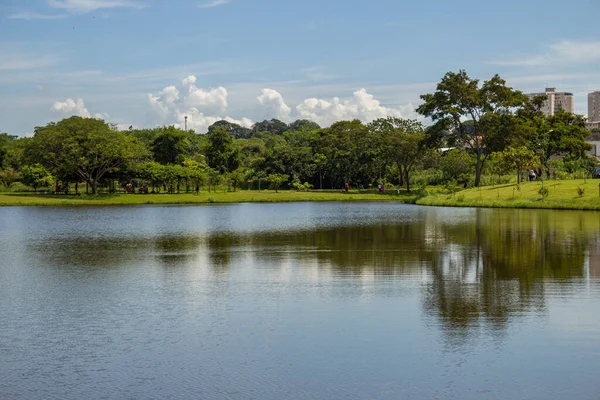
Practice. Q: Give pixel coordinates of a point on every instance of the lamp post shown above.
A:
(185, 118)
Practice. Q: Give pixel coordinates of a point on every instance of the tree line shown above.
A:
(483, 128)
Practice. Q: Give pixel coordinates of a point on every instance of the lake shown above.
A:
(299, 301)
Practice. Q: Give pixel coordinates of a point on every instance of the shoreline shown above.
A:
(14, 199)
(562, 195)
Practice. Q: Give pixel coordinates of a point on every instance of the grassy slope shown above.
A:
(26, 199)
(562, 195)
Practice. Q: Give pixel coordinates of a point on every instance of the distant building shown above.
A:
(594, 107)
(595, 151)
(556, 101)
(592, 125)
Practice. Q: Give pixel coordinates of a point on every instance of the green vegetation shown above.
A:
(482, 134)
(220, 196)
(571, 194)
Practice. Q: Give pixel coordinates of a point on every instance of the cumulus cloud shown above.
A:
(273, 105)
(361, 105)
(202, 107)
(70, 107)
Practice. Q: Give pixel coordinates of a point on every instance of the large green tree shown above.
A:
(86, 147)
(404, 144)
(171, 145)
(474, 116)
(561, 134)
(221, 154)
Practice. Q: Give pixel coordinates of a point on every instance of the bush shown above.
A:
(544, 192)
(580, 191)
(302, 187)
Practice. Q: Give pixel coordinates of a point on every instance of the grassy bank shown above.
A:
(561, 195)
(265, 196)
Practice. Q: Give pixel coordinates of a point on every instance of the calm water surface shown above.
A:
(299, 301)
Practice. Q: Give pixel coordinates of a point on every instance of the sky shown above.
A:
(153, 62)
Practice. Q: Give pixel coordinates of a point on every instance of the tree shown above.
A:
(456, 165)
(274, 126)
(276, 180)
(152, 173)
(7, 142)
(304, 125)
(404, 143)
(235, 130)
(86, 147)
(259, 176)
(8, 177)
(222, 155)
(36, 176)
(321, 163)
(213, 178)
(472, 116)
(561, 134)
(196, 171)
(171, 145)
(237, 178)
(519, 158)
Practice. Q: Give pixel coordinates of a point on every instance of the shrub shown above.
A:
(580, 191)
(544, 192)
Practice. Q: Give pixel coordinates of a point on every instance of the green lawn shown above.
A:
(266, 196)
(562, 195)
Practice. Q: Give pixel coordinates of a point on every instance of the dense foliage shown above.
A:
(478, 130)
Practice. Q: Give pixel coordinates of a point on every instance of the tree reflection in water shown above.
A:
(475, 273)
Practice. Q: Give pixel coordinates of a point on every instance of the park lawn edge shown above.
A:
(562, 195)
(43, 200)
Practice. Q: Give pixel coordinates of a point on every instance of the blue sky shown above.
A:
(149, 62)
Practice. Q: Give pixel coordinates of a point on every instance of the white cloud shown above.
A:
(568, 52)
(273, 105)
(201, 106)
(213, 100)
(70, 107)
(31, 16)
(213, 3)
(361, 105)
(85, 6)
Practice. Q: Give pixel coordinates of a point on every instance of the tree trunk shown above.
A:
(321, 181)
(518, 176)
(407, 180)
(478, 168)
(76, 187)
(94, 187)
